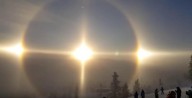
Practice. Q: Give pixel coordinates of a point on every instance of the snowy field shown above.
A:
(166, 92)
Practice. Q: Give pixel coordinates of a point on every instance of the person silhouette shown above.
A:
(142, 93)
(173, 94)
(169, 95)
(189, 93)
(178, 91)
(156, 93)
(136, 95)
(162, 90)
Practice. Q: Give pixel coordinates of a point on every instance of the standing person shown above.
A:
(189, 93)
(156, 93)
(178, 91)
(162, 90)
(142, 93)
(136, 95)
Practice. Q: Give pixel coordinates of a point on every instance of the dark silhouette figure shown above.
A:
(104, 97)
(162, 90)
(136, 95)
(169, 95)
(178, 91)
(156, 93)
(189, 93)
(172, 94)
(142, 93)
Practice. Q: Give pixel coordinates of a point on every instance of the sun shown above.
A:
(16, 49)
(83, 53)
(142, 54)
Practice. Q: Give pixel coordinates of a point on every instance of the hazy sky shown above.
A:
(162, 25)
(110, 25)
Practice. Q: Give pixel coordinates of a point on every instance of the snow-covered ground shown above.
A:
(166, 92)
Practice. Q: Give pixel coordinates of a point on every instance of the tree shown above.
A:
(125, 91)
(100, 90)
(115, 88)
(160, 83)
(190, 68)
(77, 91)
(136, 86)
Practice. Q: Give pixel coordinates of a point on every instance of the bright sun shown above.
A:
(142, 54)
(15, 49)
(83, 53)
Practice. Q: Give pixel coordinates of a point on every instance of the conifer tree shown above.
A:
(137, 86)
(115, 87)
(125, 91)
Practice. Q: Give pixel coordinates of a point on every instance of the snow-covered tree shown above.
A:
(115, 87)
(125, 91)
(137, 86)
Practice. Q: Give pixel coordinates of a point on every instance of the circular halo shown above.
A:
(112, 4)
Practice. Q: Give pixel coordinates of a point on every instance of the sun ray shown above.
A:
(115, 53)
(82, 78)
(54, 52)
